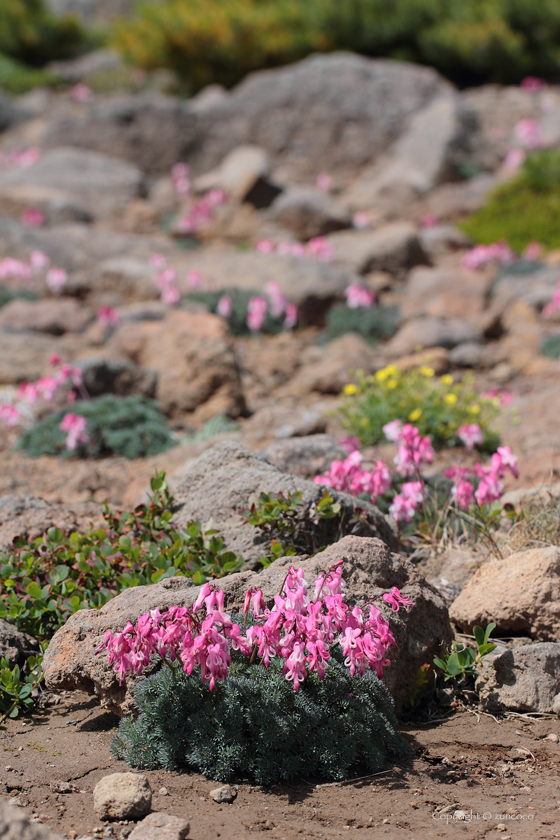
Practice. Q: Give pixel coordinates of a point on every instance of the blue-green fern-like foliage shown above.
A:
(133, 427)
(254, 725)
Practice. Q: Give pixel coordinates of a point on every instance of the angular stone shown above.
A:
(306, 456)
(307, 213)
(122, 796)
(429, 331)
(160, 826)
(244, 175)
(521, 593)
(102, 184)
(15, 825)
(54, 316)
(393, 248)
(525, 679)
(370, 568)
(444, 293)
(225, 793)
(117, 376)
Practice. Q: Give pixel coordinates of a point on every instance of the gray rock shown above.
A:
(471, 354)
(453, 201)
(430, 331)
(102, 184)
(245, 175)
(310, 284)
(54, 316)
(444, 293)
(525, 679)
(223, 481)
(225, 793)
(15, 645)
(424, 156)
(393, 248)
(31, 517)
(370, 568)
(307, 213)
(24, 356)
(281, 423)
(122, 796)
(117, 376)
(535, 288)
(328, 113)
(150, 130)
(15, 825)
(306, 456)
(58, 207)
(160, 826)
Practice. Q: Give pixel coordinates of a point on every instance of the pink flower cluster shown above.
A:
(20, 158)
(470, 434)
(358, 296)
(278, 305)
(165, 280)
(480, 256)
(350, 477)
(45, 388)
(490, 487)
(180, 179)
(82, 93)
(12, 269)
(298, 629)
(75, 427)
(533, 84)
(317, 248)
(414, 450)
(108, 317)
(32, 217)
(528, 133)
(201, 214)
(405, 504)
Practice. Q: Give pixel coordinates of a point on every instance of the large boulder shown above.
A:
(222, 483)
(306, 456)
(425, 155)
(525, 679)
(369, 569)
(328, 113)
(521, 593)
(193, 357)
(150, 130)
(101, 184)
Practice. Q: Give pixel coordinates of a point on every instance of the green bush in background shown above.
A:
(526, 208)
(469, 41)
(132, 427)
(374, 323)
(31, 35)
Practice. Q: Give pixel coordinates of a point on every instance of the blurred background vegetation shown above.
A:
(205, 41)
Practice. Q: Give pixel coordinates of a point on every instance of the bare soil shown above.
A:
(502, 774)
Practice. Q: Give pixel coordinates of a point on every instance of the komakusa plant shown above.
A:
(286, 669)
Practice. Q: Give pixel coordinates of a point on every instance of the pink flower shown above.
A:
(265, 246)
(528, 134)
(405, 503)
(225, 306)
(291, 249)
(195, 279)
(393, 430)
(533, 251)
(38, 260)
(14, 268)
(291, 316)
(462, 494)
(428, 221)
(82, 93)
(9, 414)
(158, 261)
(471, 435)
(256, 313)
(361, 220)
(165, 277)
(350, 444)
(324, 182)
(533, 84)
(108, 316)
(170, 295)
(32, 217)
(481, 255)
(414, 450)
(320, 248)
(357, 296)
(514, 159)
(56, 279)
(75, 426)
(278, 301)
(55, 360)
(396, 600)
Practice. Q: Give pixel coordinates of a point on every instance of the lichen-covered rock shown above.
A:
(369, 569)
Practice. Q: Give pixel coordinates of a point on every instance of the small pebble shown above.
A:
(163, 791)
(552, 737)
(9, 768)
(225, 793)
(125, 831)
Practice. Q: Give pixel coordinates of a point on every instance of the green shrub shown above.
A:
(7, 294)
(470, 41)
(44, 581)
(550, 346)
(374, 323)
(33, 36)
(132, 427)
(436, 406)
(526, 208)
(17, 78)
(254, 724)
